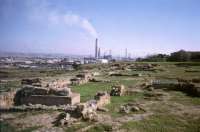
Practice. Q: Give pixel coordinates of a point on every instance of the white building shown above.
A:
(103, 61)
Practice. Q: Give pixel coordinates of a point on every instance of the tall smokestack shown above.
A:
(110, 52)
(126, 54)
(96, 48)
(99, 53)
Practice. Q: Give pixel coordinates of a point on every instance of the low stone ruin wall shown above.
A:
(58, 84)
(189, 88)
(51, 99)
(102, 98)
(34, 81)
(7, 99)
(77, 81)
(124, 74)
(38, 82)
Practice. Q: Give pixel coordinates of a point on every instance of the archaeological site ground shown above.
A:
(118, 97)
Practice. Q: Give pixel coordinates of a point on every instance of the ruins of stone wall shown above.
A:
(45, 96)
(58, 84)
(34, 82)
(102, 98)
(51, 99)
(7, 99)
(81, 79)
(189, 88)
(38, 82)
(78, 81)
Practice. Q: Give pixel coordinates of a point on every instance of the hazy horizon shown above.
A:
(71, 26)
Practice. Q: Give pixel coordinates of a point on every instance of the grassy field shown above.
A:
(9, 85)
(89, 90)
(117, 101)
(174, 112)
(163, 123)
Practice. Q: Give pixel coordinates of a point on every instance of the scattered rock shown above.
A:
(81, 79)
(130, 107)
(94, 80)
(118, 90)
(87, 111)
(102, 98)
(67, 120)
(34, 81)
(150, 88)
(102, 109)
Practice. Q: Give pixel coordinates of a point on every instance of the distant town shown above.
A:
(57, 61)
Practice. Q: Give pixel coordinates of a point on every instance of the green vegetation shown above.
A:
(27, 73)
(182, 98)
(88, 90)
(100, 128)
(76, 127)
(6, 127)
(117, 101)
(7, 86)
(179, 56)
(173, 111)
(163, 123)
(30, 129)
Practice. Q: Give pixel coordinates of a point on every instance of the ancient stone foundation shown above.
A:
(51, 99)
(81, 79)
(192, 89)
(55, 93)
(6, 99)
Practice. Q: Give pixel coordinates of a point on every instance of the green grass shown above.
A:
(126, 83)
(89, 90)
(7, 86)
(76, 127)
(28, 113)
(6, 127)
(30, 129)
(27, 73)
(117, 101)
(163, 123)
(101, 128)
(184, 99)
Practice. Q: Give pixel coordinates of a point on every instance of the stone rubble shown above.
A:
(81, 79)
(118, 90)
(130, 107)
(102, 98)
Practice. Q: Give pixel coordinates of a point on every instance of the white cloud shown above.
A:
(88, 27)
(71, 19)
(44, 13)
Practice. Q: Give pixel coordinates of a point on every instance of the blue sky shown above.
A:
(71, 26)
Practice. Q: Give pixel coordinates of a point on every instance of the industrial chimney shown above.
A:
(99, 53)
(96, 48)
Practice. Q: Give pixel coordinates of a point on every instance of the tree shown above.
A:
(180, 56)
